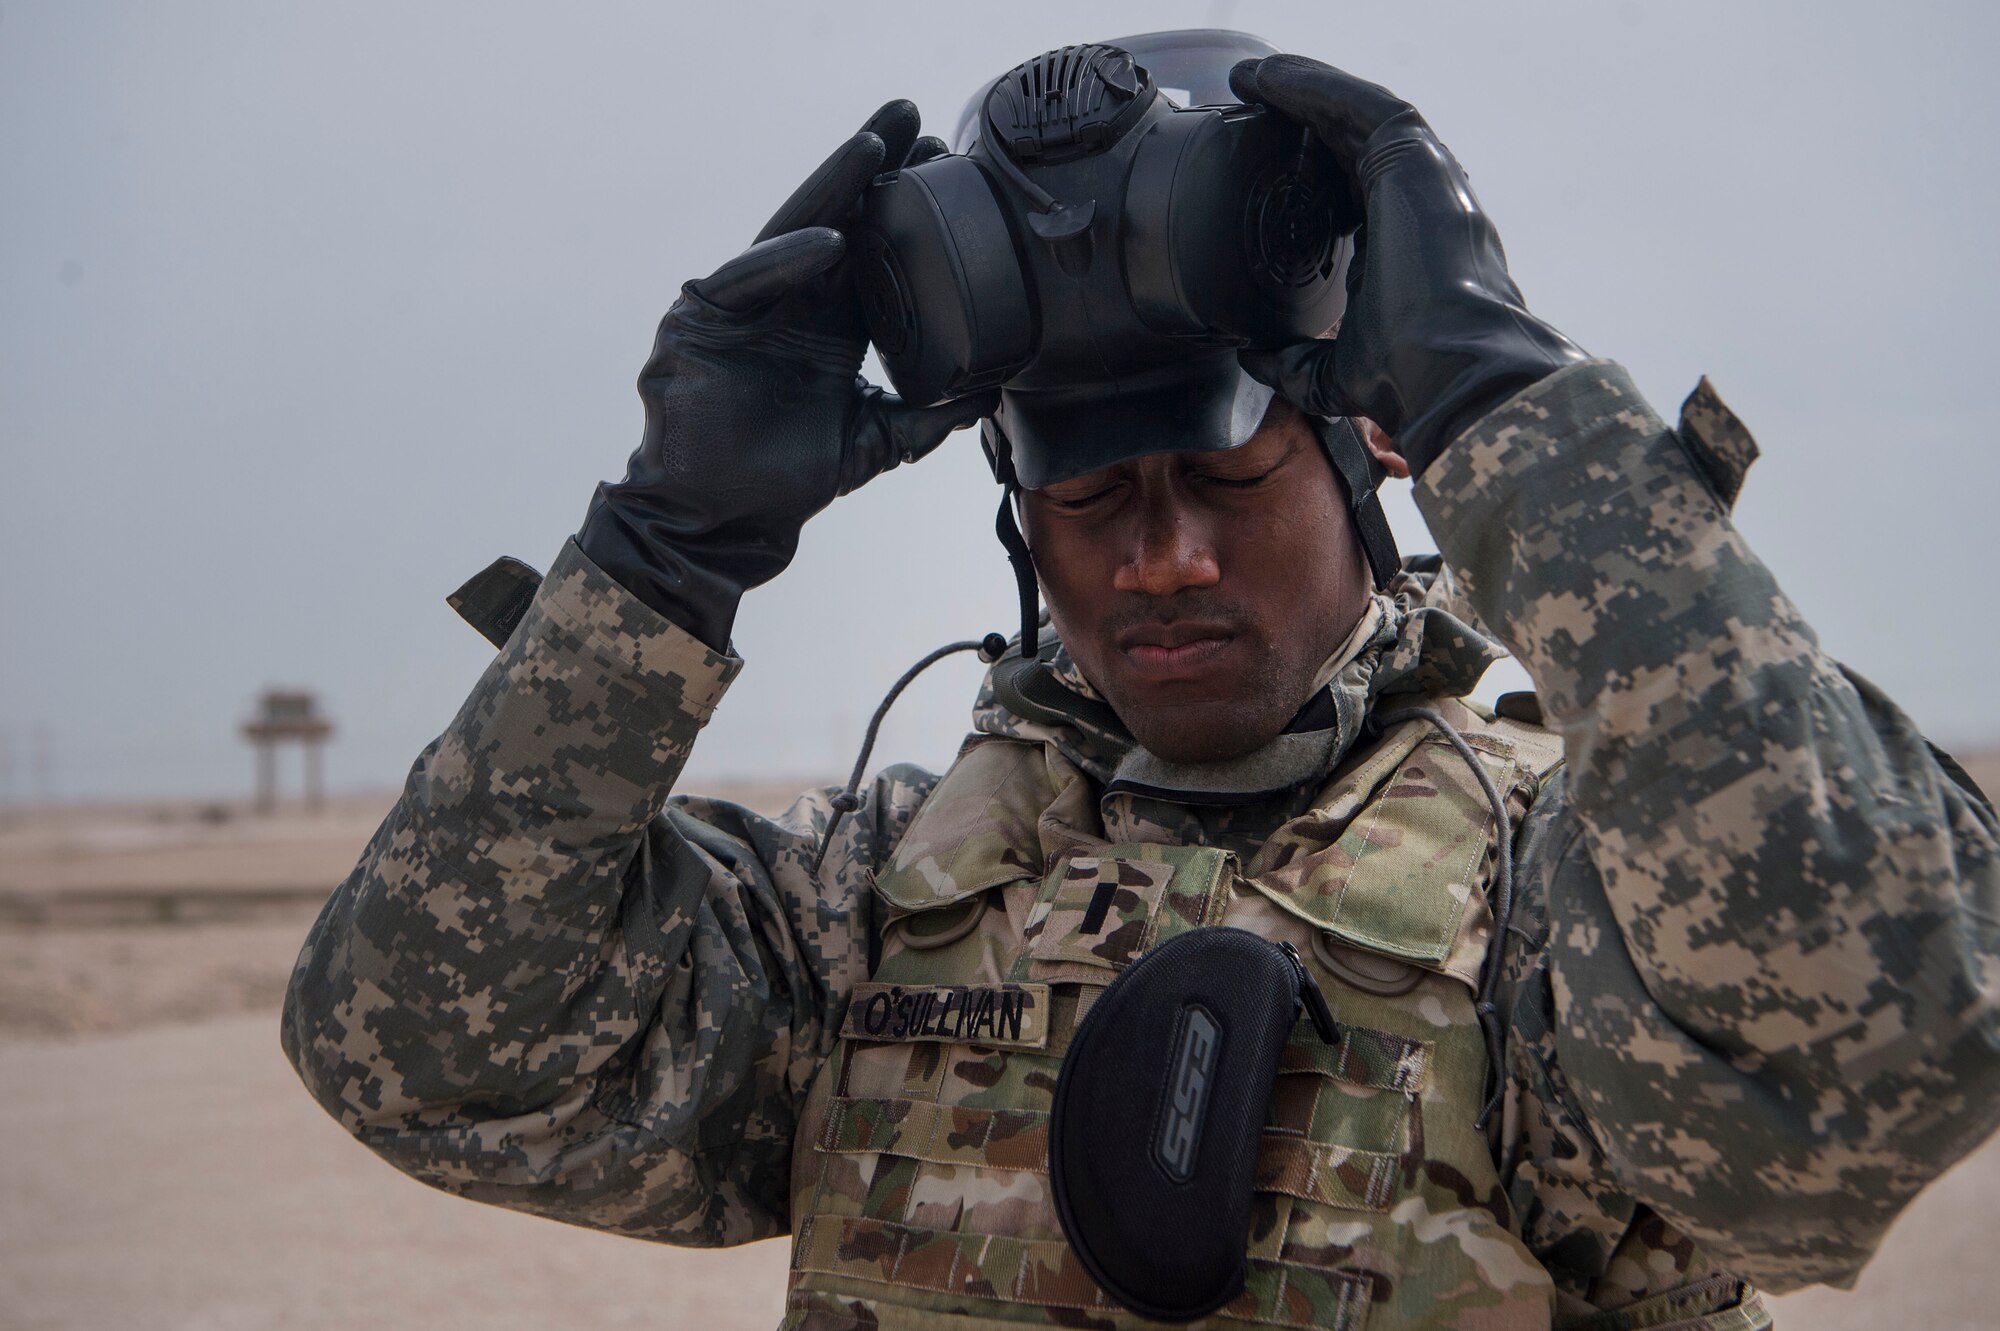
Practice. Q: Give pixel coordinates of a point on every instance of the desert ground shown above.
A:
(163, 1169)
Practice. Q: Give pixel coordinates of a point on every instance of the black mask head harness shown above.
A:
(1112, 226)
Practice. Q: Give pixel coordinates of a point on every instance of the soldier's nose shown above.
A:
(1169, 552)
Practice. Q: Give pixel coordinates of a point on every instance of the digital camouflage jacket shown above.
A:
(1750, 988)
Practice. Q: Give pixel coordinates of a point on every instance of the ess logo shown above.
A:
(1177, 1135)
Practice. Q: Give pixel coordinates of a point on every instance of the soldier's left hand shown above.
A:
(1435, 332)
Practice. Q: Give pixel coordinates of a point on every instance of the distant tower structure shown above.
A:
(287, 714)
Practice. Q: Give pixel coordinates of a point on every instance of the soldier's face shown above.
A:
(1201, 592)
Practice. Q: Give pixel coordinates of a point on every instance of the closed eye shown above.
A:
(1238, 482)
(1074, 502)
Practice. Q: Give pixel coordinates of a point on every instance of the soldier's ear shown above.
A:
(1382, 449)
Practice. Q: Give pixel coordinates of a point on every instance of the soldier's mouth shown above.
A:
(1179, 660)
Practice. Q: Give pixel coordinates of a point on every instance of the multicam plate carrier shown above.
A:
(920, 1187)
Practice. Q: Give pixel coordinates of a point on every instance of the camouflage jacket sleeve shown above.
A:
(547, 986)
(1773, 933)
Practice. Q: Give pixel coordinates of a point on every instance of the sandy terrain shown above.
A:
(164, 1170)
(120, 916)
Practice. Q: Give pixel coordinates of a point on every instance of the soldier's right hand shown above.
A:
(757, 416)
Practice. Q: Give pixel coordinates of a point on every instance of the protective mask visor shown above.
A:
(1068, 430)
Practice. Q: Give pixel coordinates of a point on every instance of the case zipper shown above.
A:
(1311, 999)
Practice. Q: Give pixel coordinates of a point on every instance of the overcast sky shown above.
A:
(309, 311)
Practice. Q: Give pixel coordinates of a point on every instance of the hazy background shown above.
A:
(309, 311)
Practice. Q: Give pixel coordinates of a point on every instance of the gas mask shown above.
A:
(1111, 227)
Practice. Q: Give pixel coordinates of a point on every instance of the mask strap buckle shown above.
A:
(1350, 460)
(1000, 454)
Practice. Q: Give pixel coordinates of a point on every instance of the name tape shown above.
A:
(1012, 1015)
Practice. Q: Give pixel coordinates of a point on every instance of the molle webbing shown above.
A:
(1046, 1273)
(922, 1185)
(1018, 1139)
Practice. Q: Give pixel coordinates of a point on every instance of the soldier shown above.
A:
(1716, 939)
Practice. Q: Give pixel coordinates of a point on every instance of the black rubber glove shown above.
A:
(1435, 333)
(756, 414)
